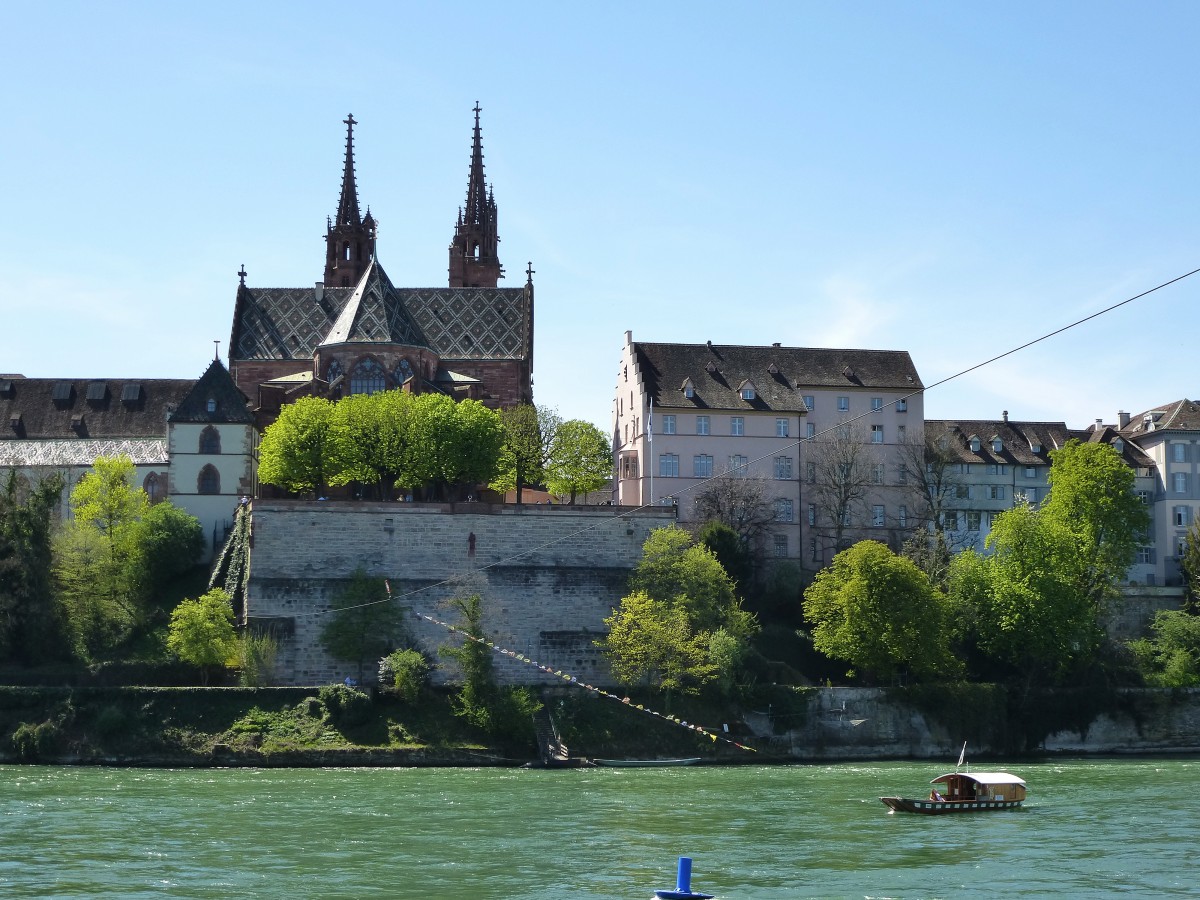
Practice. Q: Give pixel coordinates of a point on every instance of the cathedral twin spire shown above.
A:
(474, 258)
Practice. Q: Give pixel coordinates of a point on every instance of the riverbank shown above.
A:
(319, 727)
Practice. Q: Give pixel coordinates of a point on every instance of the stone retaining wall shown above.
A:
(548, 576)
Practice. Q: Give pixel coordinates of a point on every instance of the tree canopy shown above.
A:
(364, 622)
(298, 451)
(31, 629)
(580, 460)
(201, 631)
(879, 612)
(528, 436)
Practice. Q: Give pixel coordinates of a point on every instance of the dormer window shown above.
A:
(997, 445)
(773, 369)
(747, 391)
(710, 367)
(211, 406)
(975, 443)
(1119, 445)
(688, 390)
(1036, 447)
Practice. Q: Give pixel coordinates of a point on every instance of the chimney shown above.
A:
(1005, 415)
(776, 344)
(319, 291)
(1123, 419)
(1099, 425)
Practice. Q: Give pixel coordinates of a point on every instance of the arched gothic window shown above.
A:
(154, 488)
(209, 481)
(403, 372)
(210, 441)
(368, 377)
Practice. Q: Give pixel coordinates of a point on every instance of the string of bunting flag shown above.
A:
(573, 680)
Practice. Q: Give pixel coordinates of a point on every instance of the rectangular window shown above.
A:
(962, 492)
(1031, 471)
(876, 434)
(877, 472)
(737, 465)
(973, 521)
(702, 466)
(781, 428)
(668, 424)
(1180, 480)
(843, 432)
(1031, 495)
(1144, 496)
(951, 521)
(810, 430)
(780, 546)
(809, 401)
(668, 465)
(1181, 547)
(902, 474)
(701, 424)
(810, 473)
(902, 405)
(783, 467)
(812, 550)
(876, 404)
(1178, 452)
(901, 433)
(1182, 519)
(812, 514)
(1145, 556)
(902, 516)
(737, 425)
(747, 393)
(783, 510)
(997, 469)
(995, 492)
(846, 517)
(843, 404)
(877, 516)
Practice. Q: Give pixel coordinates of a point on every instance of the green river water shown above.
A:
(1091, 828)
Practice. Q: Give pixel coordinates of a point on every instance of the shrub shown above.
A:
(36, 742)
(111, 722)
(346, 705)
(403, 673)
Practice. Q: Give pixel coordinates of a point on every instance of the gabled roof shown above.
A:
(215, 384)
(129, 408)
(717, 372)
(1133, 455)
(1017, 440)
(1179, 415)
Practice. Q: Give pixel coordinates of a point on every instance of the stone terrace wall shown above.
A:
(548, 576)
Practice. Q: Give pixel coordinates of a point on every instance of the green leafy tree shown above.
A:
(1171, 658)
(201, 632)
(1189, 562)
(682, 625)
(477, 693)
(374, 440)
(172, 542)
(470, 446)
(580, 460)
(364, 623)
(879, 612)
(99, 566)
(298, 451)
(528, 436)
(31, 627)
(731, 552)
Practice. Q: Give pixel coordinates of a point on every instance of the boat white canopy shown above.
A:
(981, 778)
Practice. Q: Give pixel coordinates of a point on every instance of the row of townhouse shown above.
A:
(835, 441)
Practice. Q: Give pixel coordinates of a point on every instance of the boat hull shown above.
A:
(947, 807)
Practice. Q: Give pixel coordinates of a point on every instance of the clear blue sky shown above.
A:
(950, 179)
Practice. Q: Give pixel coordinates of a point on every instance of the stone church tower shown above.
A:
(349, 238)
(474, 260)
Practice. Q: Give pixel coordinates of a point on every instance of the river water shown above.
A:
(1091, 828)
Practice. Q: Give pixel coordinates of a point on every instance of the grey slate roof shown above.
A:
(1179, 415)
(1017, 440)
(217, 384)
(63, 453)
(119, 408)
(1107, 434)
(456, 323)
(780, 375)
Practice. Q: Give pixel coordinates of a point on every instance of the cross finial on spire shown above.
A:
(347, 213)
(216, 350)
(242, 275)
(529, 270)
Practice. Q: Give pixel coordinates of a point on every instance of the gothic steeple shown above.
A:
(349, 239)
(474, 261)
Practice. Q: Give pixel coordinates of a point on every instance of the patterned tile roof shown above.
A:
(34, 409)
(779, 375)
(456, 323)
(64, 453)
(375, 314)
(215, 384)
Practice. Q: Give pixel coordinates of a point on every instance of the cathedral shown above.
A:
(354, 331)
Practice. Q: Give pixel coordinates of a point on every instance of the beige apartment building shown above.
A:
(821, 430)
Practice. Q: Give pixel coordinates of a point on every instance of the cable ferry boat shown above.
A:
(965, 792)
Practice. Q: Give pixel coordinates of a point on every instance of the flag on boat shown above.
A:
(962, 756)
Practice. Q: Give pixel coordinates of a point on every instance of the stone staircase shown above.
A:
(551, 750)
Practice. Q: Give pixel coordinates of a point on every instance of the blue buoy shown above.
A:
(683, 884)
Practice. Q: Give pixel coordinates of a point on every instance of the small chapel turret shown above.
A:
(474, 258)
(349, 238)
